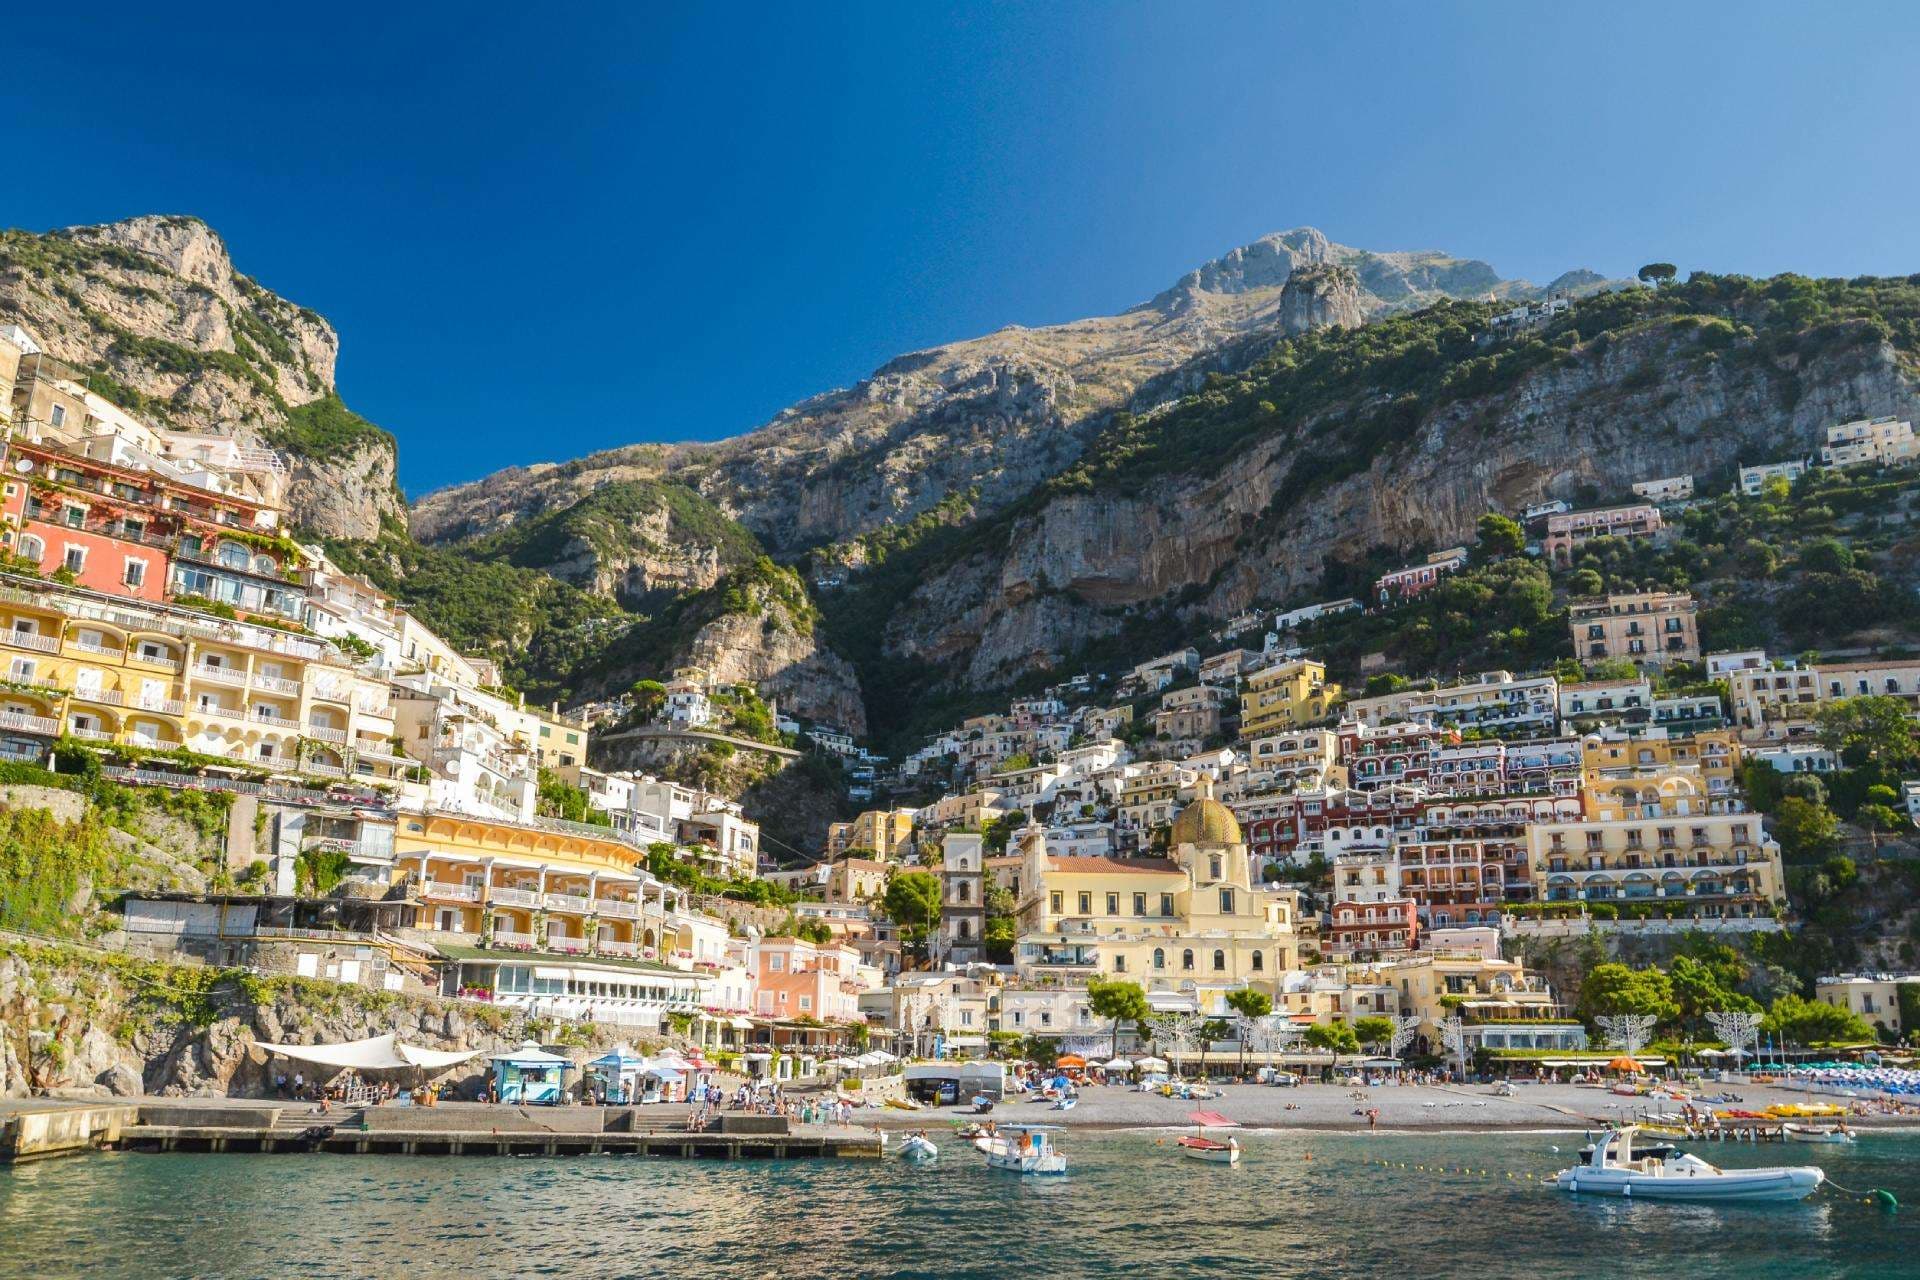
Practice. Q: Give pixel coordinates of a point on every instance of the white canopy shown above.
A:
(881, 1055)
(1117, 1064)
(530, 1054)
(1151, 1064)
(380, 1053)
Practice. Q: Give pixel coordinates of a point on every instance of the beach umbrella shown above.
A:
(1118, 1064)
(1072, 1060)
(1623, 1063)
(1151, 1064)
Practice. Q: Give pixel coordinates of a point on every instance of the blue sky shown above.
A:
(544, 231)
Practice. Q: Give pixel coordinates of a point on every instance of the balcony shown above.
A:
(154, 660)
(513, 940)
(567, 946)
(617, 908)
(103, 697)
(90, 735)
(275, 684)
(219, 675)
(17, 722)
(614, 947)
(575, 903)
(506, 896)
(441, 891)
(219, 712)
(88, 646)
(33, 640)
(164, 706)
(319, 770)
(320, 733)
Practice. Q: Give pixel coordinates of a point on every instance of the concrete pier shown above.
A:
(59, 1128)
(40, 1130)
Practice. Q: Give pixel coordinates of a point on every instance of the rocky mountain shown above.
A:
(994, 415)
(153, 311)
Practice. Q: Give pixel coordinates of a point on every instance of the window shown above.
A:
(32, 548)
(1166, 904)
(1139, 904)
(1113, 904)
(73, 517)
(776, 963)
(1119, 964)
(1219, 962)
(1226, 902)
(1213, 864)
(1186, 959)
(58, 415)
(1159, 957)
(806, 1004)
(136, 573)
(1259, 958)
(1086, 903)
(75, 559)
(1054, 902)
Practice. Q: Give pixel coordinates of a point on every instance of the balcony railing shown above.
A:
(89, 646)
(219, 675)
(567, 946)
(507, 896)
(89, 735)
(450, 892)
(164, 706)
(617, 908)
(104, 697)
(513, 938)
(276, 684)
(614, 947)
(574, 902)
(320, 733)
(18, 722)
(32, 640)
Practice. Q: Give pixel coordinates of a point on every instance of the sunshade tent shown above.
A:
(1116, 1064)
(377, 1053)
(1623, 1063)
(1069, 1060)
(1151, 1064)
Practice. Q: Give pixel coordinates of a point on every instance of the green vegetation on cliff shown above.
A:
(605, 521)
(326, 430)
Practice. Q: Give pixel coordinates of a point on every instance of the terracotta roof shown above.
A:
(1094, 863)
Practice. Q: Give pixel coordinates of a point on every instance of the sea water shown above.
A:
(1385, 1205)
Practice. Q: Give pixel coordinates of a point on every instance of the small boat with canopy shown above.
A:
(1199, 1146)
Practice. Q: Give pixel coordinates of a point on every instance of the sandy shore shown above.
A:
(1333, 1107)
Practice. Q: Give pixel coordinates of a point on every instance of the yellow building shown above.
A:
(1287, 695)
(120, 672)
(888, 832)
(1625, 754)
(1190, 923)
(544, 887)
(1653, 844)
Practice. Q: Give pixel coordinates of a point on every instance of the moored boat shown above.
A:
(1026, 1148)
(1838, 1135)
(1616, 1169)
(1198, 1146)
(918, 1147)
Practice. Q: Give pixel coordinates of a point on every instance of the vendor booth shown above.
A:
(530, 1074)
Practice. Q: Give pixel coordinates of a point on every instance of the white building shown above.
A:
(1870, 442)
(1753, 480)
(1665, 489)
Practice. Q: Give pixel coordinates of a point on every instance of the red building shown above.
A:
(1329, 822)
(1373, 928)
(1391, 753)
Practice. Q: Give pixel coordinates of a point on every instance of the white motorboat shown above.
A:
(1614, 1169)
(1026, 1148)
(918, 1147)
(1838, 1135)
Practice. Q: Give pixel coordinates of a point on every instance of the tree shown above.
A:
(1586, 582)
(912, 901)
(1808, 1022)
(1617, 989)
(1250, 1005)
(1805, 830)
(1336, 1036)
(1700, 987)
(1375, 1031)
(1119, 1001)
(1878, 725)
(1500, 536)
(1658, 273)
(1826, 555)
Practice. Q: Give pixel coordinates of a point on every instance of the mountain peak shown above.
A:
(182, 244)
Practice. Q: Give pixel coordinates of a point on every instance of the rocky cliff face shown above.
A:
(154, 312)
(1228, 536)
(1321, 297)
(998, 414)
(787, 665)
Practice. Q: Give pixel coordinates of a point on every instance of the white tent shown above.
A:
(1117, 1064)
(380, 1053)
(1151, 1064)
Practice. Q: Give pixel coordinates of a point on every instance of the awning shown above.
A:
(379, 1053)
(530, 1054)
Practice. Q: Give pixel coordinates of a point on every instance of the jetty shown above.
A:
(53, 1128)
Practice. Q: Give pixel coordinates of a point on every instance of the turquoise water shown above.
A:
(1129, 1207)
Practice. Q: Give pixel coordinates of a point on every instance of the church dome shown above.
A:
(1205, 821)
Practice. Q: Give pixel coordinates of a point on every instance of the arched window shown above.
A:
(966, 928)
(32, 548)
(1159, 957)
(1214, 863)
(265, 564)
(966, 891)
(1259, 961)
(1186, 958)
(1219, 962)
(233, 555)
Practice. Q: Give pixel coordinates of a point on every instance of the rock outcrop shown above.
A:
(1321, 297)
(1223, 537)
(153, 311)
(997, 414)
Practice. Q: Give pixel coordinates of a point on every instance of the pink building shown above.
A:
(1568, 531)
(1404, 584)
(793, 978)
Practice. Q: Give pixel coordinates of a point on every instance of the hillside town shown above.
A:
(1225, 828)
